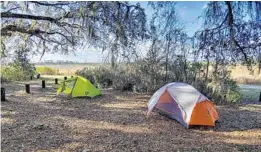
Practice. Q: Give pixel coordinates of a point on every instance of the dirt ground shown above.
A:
(116, 121)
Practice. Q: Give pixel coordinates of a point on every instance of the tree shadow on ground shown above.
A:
(242, 117)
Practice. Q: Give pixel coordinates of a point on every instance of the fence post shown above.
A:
(65, 78)
(56, 81)
(3, 94)
(38, 76)
(260, 97)
(43, 83)
(27, 88)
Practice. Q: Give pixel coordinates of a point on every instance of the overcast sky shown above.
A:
(188, 15)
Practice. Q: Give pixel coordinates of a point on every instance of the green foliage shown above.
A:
(46, 70)
(100, 76)
(13, 74)
(16, 73)
(125, 77)
(226, 93)
(19, 69)
(222, 88)
(233, 96)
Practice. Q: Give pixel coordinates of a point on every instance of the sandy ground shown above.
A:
(116, 121)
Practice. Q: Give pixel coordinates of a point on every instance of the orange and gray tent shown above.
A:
(184, 103)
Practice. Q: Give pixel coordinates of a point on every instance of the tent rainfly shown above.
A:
(184, 103)
(78, 87)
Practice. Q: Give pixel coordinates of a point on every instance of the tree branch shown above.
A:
(230, 23)
(26, 16)
(33, 17)
(241, 49)
(13, 9)
(5, 31)
(48, 4)
(13, 28)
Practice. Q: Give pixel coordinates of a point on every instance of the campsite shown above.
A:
(121, 76)
(43, 121)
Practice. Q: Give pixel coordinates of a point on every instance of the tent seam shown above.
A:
(177, 102)
(74, 85)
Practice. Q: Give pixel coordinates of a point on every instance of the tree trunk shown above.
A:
(112, 58)
(185, 69)
(230, 21)
(167, 60)
(166, 68)
(115, 45)
(206, 76)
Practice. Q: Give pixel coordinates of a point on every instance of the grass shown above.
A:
(243, 76)
(69, 69)
(46, 70)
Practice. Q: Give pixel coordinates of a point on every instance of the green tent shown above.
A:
(78, 87)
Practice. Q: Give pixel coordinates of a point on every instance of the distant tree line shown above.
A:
(57, 62)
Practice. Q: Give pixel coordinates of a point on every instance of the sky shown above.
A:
(188, 12)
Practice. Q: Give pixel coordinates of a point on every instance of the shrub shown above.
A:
(221, 88)
(46, 70)
(144, 77)
(100, 76)
(130, 77)
(12, 73)
(19, 69)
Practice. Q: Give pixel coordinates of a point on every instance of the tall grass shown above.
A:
(47, 70)
(242, 75)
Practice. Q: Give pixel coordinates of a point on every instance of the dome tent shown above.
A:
(184, 103)
(78, 87)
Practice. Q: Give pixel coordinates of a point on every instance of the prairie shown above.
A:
(68, 69)
(243, 76)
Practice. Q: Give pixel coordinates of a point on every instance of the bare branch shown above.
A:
(33, 17)
(241, 50)
(26, 16)
(13, 28)
(48, 4)
(13, 9)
